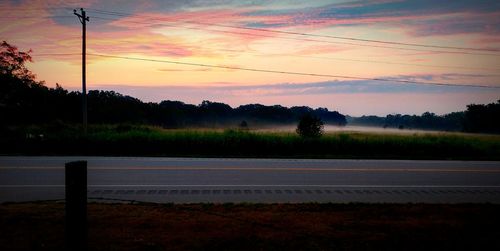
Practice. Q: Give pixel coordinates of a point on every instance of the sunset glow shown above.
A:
(236, 34)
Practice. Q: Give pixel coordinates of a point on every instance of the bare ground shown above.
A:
(40, 226)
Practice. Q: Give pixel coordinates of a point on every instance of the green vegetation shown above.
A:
(40, 120)
(477, 118)
(310, 126)
(60, 139)
(429, 121)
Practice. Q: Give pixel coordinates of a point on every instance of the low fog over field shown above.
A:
(372, 129)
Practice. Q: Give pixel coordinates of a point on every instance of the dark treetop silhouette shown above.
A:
(24, 101)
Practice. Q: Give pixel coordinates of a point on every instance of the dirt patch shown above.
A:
(40, 226)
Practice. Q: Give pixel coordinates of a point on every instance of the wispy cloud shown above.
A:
(441, 77)
(184, 70)
(419, 17)
(162, 29)
(140, 34)
(322, 88)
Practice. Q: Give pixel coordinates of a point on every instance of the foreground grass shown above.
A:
(152, 141)
(40, 226)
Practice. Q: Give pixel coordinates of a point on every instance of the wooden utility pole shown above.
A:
(84, 19)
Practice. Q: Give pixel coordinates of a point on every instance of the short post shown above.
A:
(76, 205)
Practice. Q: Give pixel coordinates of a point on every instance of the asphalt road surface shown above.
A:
(181, 180)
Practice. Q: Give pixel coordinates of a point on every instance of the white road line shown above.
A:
(264, 185)
(192, 159)
(276, 169)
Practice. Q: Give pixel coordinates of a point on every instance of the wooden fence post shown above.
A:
(76, 205)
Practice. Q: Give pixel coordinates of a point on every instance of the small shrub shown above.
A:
(244, 125)
(310, 126)
(123, 128)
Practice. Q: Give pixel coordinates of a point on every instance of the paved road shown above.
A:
(255, 180)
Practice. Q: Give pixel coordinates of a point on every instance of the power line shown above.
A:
(353, 39)
(34, 9)
(342, 59)
(354, 60)
(299, 39)
(394, 63)
(114, 13)
(296, 38)
(56, 54)
(122, 14)
(282, 72)
(316, 57)
(33, 17)
(293, 73)
(329, 58)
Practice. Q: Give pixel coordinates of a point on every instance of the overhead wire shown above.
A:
(336, 58)
(279, 71)
(292, 72)
(33, 17)
(307, 56)
(396, 63)
(56, 54)
(463, 49)
(306, 39)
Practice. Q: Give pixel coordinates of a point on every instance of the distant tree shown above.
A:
(310, 126)
(214, 113)
(244, 124)
(330, 117)
(20, 94)
(448, 122)
(25, 101)
(12, 63)
(482, 118)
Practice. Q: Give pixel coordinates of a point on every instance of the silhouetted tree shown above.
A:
(12, 63)
(23, 101)
(428, 120)
(310, 126)
(330, 117)
(20, 94)
(483, 118)
(244, 124)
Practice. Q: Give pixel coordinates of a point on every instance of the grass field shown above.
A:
(126, 140)
(40, 226)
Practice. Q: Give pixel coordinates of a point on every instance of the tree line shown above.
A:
(23, 100)
(477, 118)
(430, 121)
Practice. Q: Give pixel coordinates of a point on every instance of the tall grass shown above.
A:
(130, 140)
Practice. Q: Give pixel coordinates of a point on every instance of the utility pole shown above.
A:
(84, 19)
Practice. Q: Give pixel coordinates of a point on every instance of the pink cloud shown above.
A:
(127, 42)
(321, 49)
(456, 24)
(138, 34)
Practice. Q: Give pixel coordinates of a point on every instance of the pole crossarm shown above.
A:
(81, 17)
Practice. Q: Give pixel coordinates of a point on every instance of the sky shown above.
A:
(166, 50)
